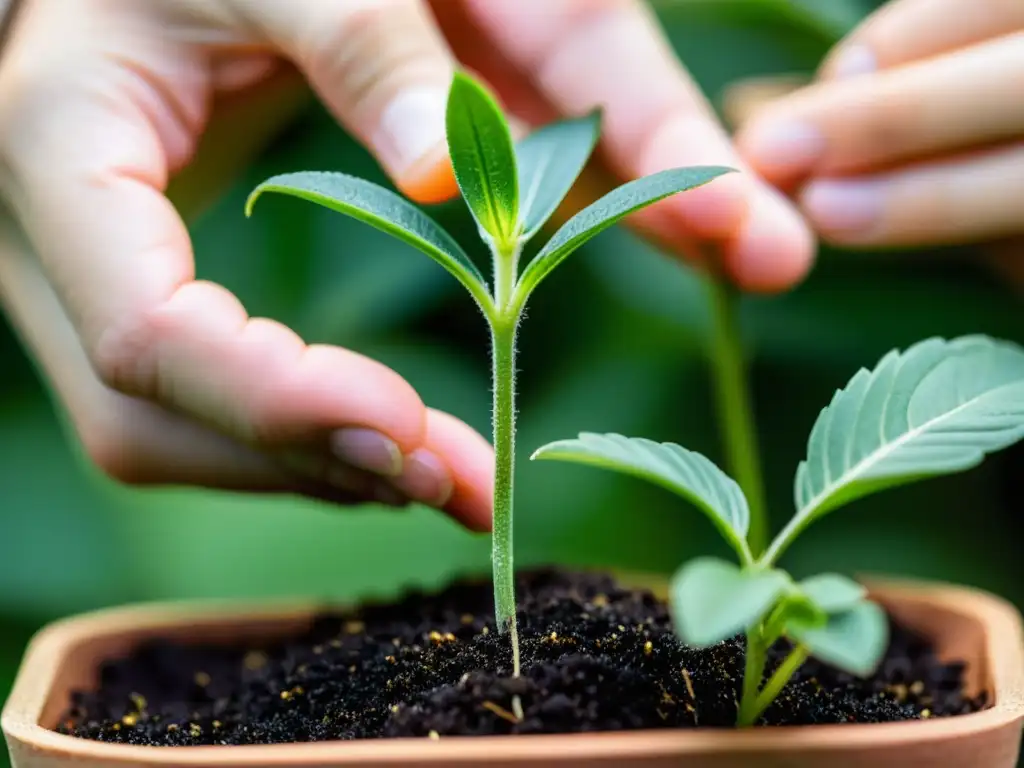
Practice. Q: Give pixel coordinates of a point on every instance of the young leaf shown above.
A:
(383, 209)
(854, 640)
(597, 217)
(938, 408)
(712, 599)
(483, 157)
(833, 593)
(550, 159)
(684, 472)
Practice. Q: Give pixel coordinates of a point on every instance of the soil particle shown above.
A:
(596, 657)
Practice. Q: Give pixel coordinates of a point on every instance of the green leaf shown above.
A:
(550, 160)
(383, 209)
(832, 592)
(598, 216)
(712, 599)
(854, 640)
(935, 409)
(483, 157)
(684, 472)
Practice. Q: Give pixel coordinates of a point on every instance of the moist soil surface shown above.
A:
(596, 657)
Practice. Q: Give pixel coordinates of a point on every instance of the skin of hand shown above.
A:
(913, 132)
(165, 378)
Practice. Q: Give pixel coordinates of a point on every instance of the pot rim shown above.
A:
(24, 707)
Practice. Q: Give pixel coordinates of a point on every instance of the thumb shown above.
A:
(383, 69)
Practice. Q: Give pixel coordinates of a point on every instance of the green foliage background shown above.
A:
(615, 341)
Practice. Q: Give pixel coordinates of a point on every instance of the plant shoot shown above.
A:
(937, 408)
(511, 190)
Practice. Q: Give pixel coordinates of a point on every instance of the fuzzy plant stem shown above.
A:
(753, 672)
(503, 357)
(504, 362)
(774, 686)
(735, 409)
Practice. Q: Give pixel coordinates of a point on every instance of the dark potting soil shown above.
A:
(596, 657)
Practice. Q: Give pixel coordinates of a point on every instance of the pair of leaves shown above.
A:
(935, 409)
(713, 600)
(510, 190)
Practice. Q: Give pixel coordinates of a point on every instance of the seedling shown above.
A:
(937, 408)
(511, 190)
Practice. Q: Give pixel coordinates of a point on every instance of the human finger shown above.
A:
(383, 68)
(971, 197)
(908, 30)
(967, 98)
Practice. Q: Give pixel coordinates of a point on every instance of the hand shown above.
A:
(914, 132)
(166, 378)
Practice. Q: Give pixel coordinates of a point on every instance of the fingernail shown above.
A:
(368, 450)
(843, 207)
(781, 146)
(852, 61)
(425, 478)
(411, 127)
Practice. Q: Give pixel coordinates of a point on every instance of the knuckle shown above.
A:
(125, 355)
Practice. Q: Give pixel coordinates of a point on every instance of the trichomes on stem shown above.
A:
(937, 408)
(511, 189)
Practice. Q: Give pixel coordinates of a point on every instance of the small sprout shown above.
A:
(138, 701)
(925, 714)
(130, 720)
(286, 695)
(501, 712)
(434, 735)
(194, 730)
(511, 189)
(172, 727)
(937, 408)
(116, 726)
(389, 659)
(648, 648)
(435, 637)
(553, 637)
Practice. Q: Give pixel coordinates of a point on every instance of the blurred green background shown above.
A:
(615, 340)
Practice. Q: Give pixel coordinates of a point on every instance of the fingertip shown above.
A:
(470, 459)
(715, 210)
(431, 180)
(774, 249)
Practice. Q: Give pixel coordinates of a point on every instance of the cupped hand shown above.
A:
(166, 378)
(913, 133)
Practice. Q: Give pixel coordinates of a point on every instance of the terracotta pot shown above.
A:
(968, 625)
